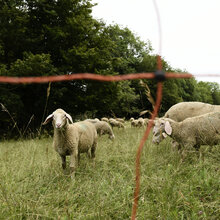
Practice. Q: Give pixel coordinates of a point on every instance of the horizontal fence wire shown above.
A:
(92, 76)
(89, 76)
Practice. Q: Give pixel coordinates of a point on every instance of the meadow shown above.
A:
(33, 185)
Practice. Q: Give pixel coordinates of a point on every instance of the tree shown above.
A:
(215, 93)
(13, 27)
(208, 92)
(23, 101)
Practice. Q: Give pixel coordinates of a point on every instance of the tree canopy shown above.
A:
(56, 37)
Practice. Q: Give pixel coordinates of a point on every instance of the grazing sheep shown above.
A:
(131, 119)
(72, 139)
(141, 122)
(134, 123)
(183, 110)
(191, 132)
(115, 123)
(104, 119)
(137, 123)
(103, 128)
(120, 120)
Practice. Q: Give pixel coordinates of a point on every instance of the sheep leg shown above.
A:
(73, 163)
(63, 158)
(93, 149)
(199, 154)
(92, 153)
(89, 154)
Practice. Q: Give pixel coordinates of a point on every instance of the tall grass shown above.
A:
(33, 185)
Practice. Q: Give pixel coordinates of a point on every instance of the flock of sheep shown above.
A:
(72, 139)
(189, 124)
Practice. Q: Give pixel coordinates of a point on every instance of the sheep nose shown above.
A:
(58, 125)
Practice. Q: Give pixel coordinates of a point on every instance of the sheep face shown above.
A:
(59, 118)
(112, 137)
(161, 129)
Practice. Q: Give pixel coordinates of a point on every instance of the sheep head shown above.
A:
(59, 117)
(161, 129)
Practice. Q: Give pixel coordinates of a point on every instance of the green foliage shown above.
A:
(33, 65)
(127, 98)
(33, 185)
(208, 92)
(13, 27)
(23, 101)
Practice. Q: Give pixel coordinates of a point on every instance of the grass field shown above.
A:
(33, 185)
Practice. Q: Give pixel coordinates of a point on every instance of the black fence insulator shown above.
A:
(160, 75)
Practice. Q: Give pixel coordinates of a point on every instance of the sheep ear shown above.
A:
(49, 117)
(69, 117)
(168, 128)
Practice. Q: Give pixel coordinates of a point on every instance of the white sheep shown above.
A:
(131, 119)
(120, 120)
(72, 139)
(134, 123)
(191, 132)
(141, 122)
(92, 120)
(137, 122)
(115, 123)
(103, 128)
(104, 119)
(183, 110)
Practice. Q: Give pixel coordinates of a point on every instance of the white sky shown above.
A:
(190, 30)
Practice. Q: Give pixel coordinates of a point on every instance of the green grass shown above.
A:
(33, 185)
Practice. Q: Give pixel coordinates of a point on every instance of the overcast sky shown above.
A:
(190, 29)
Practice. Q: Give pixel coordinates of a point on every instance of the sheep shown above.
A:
(141, 122)
(131, 119)
(134, 123)
(92, 120)
(72, 139)
(104, 119)
(183, 110)
(191, 132)
(137, 123)
(120, 120)
(103, 127)
(115, 123)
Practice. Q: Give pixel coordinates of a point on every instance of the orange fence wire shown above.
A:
(140, 148)
(90, 76)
